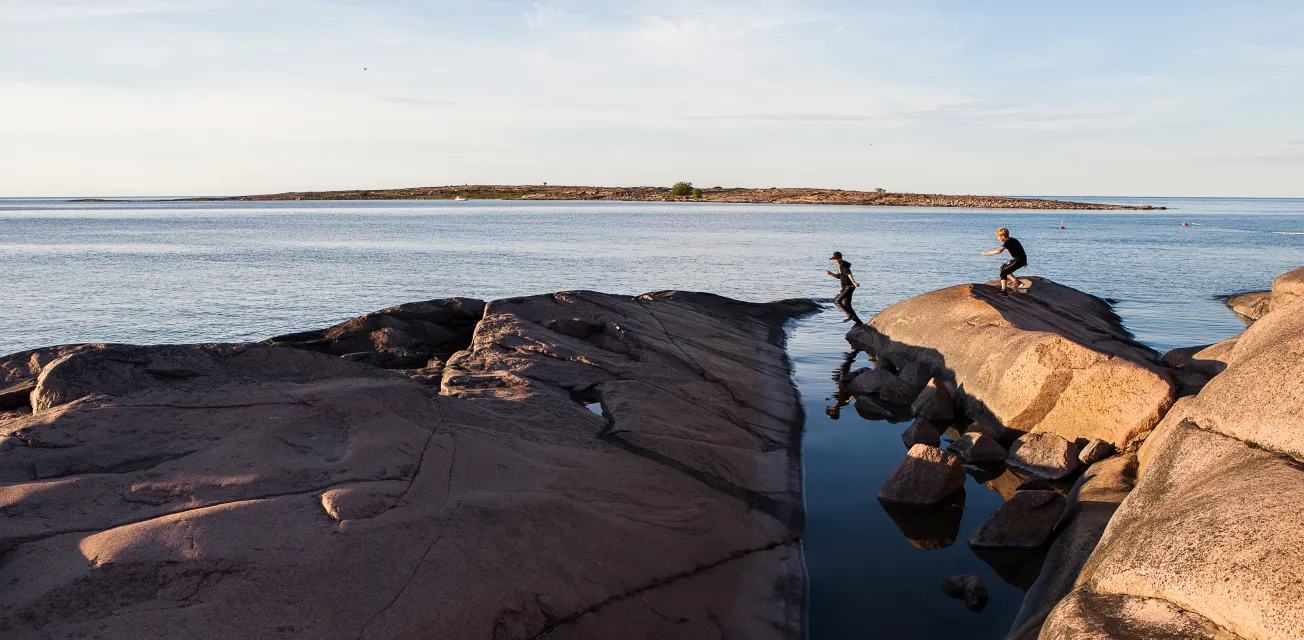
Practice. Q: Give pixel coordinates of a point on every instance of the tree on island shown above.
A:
(681, 189)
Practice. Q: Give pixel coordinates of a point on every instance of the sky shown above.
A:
(226, 97)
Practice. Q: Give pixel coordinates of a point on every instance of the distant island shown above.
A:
(681, 192)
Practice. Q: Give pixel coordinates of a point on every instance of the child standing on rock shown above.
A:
(1018, 258)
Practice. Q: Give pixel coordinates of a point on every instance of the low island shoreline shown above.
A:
(731, 195)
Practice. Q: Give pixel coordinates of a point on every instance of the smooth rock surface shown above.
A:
(1025, 520)
(1053, 359)
(259, 491)
(926, 476)
(1092, 451)
(881, 384)
(1088, 616)
(1287, 289)
(1045, 454)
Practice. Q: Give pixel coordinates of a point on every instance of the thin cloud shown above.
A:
(419, 102)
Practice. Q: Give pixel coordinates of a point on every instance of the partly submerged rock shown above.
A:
(231, 491)
(926, 476)
(881, 384)
(934, 402)
(1025, 520)
(1090, 505)
(1045, 454)
(870, 409)
(967, 587)
(1053, 359)
(976, 447)
(1250, 306)
(921, 431)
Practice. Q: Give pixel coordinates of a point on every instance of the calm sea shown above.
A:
(170, 272)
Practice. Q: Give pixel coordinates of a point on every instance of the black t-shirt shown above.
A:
(1016, 250)
(844, 274)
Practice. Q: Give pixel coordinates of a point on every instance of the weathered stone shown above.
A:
(1045, 454)
(970, 588)
(921, 431)
(1287, 289)
(976, 447)
(987, 430)
(1250, 306)
(1093, 450)
(881, 384)
(1053, 359)
(872, 410)
(926, 476)
(282, 492)
(17, 395)
(1025, 520)
(1091, 504)
(934, 402)
(915, 374)
(1089, 616)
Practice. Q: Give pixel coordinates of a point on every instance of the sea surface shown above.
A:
(159, 272)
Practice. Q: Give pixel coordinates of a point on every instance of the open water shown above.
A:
(199, 272)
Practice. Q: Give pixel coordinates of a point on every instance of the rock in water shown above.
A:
(1054, 359)
(926, 476)
(970, 588)
(279, 492)
(871, 410)
(921, 431)
(1250, 306)
(1025, 520)
(976, 447)
(882, 384)
(1093, 450)
(934, 402)
(1045, 454)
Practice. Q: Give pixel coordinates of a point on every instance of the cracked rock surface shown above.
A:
(262, 491)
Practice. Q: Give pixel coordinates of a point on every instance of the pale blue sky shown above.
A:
(183, 97)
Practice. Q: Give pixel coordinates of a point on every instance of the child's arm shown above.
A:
(994, 251)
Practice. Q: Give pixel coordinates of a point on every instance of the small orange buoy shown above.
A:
(1186, 224)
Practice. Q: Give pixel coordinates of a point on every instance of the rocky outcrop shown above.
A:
(1025, 520)
(250, 490)
(1050, 360)
(1251, 305)
(1209, 543)
(1287, 289)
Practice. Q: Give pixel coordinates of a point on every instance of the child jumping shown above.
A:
(1018, 258)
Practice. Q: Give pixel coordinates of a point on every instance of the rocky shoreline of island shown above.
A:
(729, 195)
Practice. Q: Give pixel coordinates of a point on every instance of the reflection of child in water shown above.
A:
(841, 397)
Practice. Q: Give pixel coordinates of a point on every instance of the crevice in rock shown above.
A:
(656, 583)
(126, 466)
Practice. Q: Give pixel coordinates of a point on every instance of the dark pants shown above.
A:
(1010, 267)
(843, 299)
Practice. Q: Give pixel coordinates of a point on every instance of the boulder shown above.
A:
(1218, 488)
(1052, 360)
(934, 402)
(926, 476)
(987, 430)
(1045, 454)
(921, 431)
(871, 410)
(1025, 520)
(969, 588)
(257, 491)
(1287, 289)
(915, 374)
(978, 448)
(1093, 450)
(17, 394)
(1249, 306)
(881, 384)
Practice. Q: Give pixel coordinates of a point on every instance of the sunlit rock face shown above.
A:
(265, 490)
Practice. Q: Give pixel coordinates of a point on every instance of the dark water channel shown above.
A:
(874, 571)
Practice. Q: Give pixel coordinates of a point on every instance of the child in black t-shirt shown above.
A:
(1018, 258)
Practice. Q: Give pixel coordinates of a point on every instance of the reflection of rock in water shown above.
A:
(1019, 567)
(1006, 483)
(930, 527)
